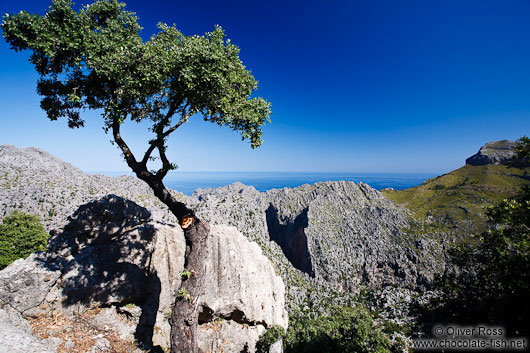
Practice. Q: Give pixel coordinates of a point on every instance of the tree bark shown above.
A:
(185, 315)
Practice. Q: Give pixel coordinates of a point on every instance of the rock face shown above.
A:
(340, 235)
(112, 255)
(327, 241)
(242, 296)
(497, 152)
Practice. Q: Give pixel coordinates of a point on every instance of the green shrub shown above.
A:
(20, 235)
(491, 279)
(270, 336)
(342, 329)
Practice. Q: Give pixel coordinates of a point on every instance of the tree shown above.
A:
(96, 59)
(20, 235)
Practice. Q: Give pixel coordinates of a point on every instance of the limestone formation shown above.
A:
(242, 294)
(36, 182)
(496, 152)
(329, 240)
(111, 255)
(342, 235)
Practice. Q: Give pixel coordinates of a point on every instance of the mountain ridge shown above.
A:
(329, 239)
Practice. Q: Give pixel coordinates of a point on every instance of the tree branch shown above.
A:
(147, 154)
(160, 138)
(166, 166)
(140, 172)
(183, 120)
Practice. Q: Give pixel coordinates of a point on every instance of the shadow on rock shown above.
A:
(105, 253)
(290, 236)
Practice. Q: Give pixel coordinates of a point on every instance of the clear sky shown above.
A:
(355, 86)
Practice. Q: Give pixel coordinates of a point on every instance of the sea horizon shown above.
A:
(189, 181)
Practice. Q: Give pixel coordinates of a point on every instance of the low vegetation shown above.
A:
(20, 235)
(340, 329)
(458, 200)
(488, 280)
(491, 280)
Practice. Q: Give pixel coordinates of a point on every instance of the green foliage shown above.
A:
(96, 59)
(491, 282)
(20, 235)
(522, 150)
(183, 294)
(270, 336)
(185, 275)
(342, 329)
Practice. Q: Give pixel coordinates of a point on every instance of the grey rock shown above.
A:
(111, 253)
(36, 182)
(276, 347)
(241, 284)
(102, 345)
(327, 241)
(28, 286)
(336, 236)
(53, 342)
(16, 338)
(242, 295)
(496, 152)
(228, 336)
(116, 255)
(69, 345)
(123, 325)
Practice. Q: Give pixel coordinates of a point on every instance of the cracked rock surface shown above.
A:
(242, 294)
(112, 255)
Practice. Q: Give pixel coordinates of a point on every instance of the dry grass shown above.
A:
(81, 330)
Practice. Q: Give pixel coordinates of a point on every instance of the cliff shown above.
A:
(496, 152)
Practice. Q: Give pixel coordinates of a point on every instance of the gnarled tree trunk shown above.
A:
(184, 318)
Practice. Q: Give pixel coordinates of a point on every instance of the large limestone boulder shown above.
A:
(243, 295)
(111, 255)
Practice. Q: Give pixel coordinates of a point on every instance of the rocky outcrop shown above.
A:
(328, 240)
(342, 235)
(496, 152)
(242, 294)
(112, 255)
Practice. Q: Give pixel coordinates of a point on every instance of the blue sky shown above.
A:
(355, 86)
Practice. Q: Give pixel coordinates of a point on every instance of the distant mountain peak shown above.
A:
(34, 159)
(496, 152)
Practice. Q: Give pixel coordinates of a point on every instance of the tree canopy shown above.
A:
(96, 59)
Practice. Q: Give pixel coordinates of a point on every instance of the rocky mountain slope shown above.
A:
(36, 182)
(338, 236)
(496, 152)
(329, 241)
(456, 201)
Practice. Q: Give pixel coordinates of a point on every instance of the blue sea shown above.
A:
(188, 182)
